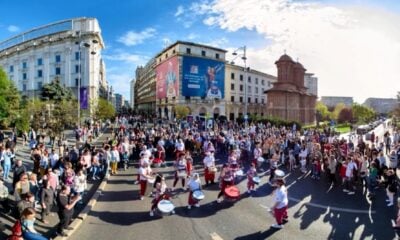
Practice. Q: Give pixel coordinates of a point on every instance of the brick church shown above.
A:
(288, 98)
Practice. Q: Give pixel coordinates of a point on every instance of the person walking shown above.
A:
(46, 200)
(65, 209)
(281, 203)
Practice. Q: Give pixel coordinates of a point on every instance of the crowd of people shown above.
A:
(60, 175)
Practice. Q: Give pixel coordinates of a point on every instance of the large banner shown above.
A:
(84, 101)
(167, 75)
(203, 78)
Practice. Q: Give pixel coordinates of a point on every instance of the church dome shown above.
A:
(285, 57)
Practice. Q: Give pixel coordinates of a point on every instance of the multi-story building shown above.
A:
(132, 93)
(311, 83)
(198, 77)
(69, 50)
(245, 86)
(119, 102)
(332, 101)
(145, 88)
(382, 105)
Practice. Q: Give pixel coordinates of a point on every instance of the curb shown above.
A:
(85, 212)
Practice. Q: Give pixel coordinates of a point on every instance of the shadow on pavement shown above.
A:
(259, 235)
(124, 218)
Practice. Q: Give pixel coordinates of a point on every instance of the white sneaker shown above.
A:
(197, 205)
(189, 207)
(345, 190)
(219, 200)
(173, 212)
(351, 193)
(390, 204)
(141, 198)
(277, 226)
(151, 213)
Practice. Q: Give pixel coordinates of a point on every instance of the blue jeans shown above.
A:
(6, 171)
(32, 236)
(95, 170)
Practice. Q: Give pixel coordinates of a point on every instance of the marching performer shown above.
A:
(181, 169)
(281, 203)
(194, 185)
(160, 188)
(257, 153)
(225, 180)
(209, 168)
(251, 173)
(145, 173)
(189, 163)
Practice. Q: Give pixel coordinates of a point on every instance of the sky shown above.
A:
(352, 46)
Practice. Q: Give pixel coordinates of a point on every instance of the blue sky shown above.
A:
(134, 31)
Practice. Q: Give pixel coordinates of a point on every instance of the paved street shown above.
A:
(315, 213)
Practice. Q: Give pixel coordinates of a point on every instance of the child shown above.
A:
(125, 159)
(80, 184)
(292, 160)
(316, 171)
(252, 172)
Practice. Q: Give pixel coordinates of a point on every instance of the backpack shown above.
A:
(16, 231)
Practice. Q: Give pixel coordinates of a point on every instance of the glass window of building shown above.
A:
(262, 100)
(24, 76)
(76, 56)
(269, 83)
(232, 76)
(76, 81)
(241, 99)
(232, 86)
(249, 100)
(256, 100)
(262, 82)
(40, 61)
(249, 79)
(232, 98)
(173, 51)
(58, 58)
(76, 68)
(256, 80)
(249, 89)
(39, 85)
(23, 87)
(203, 53)
(241, 87)
(11, 68)
(40, 73)
(241, 77)
(217, 55)
(166, 55)
(256, 90)
(58, 71)
(188, 51)
(24, 65)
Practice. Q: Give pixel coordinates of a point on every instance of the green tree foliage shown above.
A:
(362, 114)
(104, 110)
(338, 108)
(181, 111)
(322, 110)
(54, 91)
(9, 101)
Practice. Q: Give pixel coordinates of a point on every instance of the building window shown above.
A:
(40, 73)
(241, 87)
(256, 100)
(217, 55)
(241, 77)
(39, 85)
(188, 51)
(249, 79)
(24, 76)
(76, 68)
(24, 65)
(232, 76)
(166, 55)
(249, 100)
(232, 98)
(269, 84)
(262, 82)
(58, 58)
(77, 56)
(232, 86)
(203, 53)
(58, 71)
(76, 81)
(241, 99)
(256, 80)
(39, 61)
(249, 89)
(173, 51)
(262, 100)
(11, 68)
(23, 87)
(256, 89)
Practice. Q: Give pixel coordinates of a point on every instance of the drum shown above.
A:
(212, 169)
(182, 174)
(198, 195)
(256, 180)
(279, 174)
(165, 207)
(239, 173)
(231, 193)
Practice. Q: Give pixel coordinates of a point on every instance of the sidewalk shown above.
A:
(48, 230)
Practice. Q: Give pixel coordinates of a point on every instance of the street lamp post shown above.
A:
(244, 58)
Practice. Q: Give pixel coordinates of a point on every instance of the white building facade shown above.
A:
(132, 93)
(69, 50)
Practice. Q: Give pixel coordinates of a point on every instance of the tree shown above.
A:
(9, 100)
(345, 115)
(104, 110)
(362, 114)
(322, 110)
(338, 108)
(181, 111)
(54, 91)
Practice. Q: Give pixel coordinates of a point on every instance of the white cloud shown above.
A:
(120, 83)
(126, 57)
(13, 28)
(132, 38)
(353, 50)
(192, 36)
(179, 11)
(219, 42)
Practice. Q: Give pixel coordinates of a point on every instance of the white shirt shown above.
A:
(144, 172)
(209, 161)
(350, 167)
(257, 153)
(180, 146)
(281, 197)
(54, 159)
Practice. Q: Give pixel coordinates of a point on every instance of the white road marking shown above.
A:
(348, 210)
(215, 236)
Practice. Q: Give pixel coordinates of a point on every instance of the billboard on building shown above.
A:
(203, 78)
(167, 75)
(84, 101)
